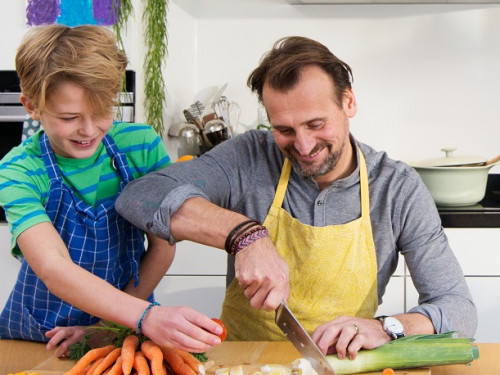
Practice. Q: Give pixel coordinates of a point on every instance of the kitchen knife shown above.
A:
(301, 340)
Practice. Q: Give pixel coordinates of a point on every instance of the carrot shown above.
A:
(94, 365)
(129, 347)
(141, 364)
(190, 360)
(155, 356)
(388, 371)
(117, 367)
(109, 360)
(88, 358)
(177, 363)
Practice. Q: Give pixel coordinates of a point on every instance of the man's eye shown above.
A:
(285, 131)
(316, 125)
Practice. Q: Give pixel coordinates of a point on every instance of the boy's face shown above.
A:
(69, 122)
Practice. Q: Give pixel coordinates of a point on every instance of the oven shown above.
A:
(15, 124)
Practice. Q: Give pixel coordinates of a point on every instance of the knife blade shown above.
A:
(301, 340)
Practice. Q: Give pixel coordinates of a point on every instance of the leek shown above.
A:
(409, 352)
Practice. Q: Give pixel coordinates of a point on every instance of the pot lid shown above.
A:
(450, 160)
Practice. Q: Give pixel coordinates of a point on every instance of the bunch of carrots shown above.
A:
(136, 358)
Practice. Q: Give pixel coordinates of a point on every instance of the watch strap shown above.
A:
(394, 335)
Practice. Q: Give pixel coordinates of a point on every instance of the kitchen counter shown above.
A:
(485, 214)
(16, 356)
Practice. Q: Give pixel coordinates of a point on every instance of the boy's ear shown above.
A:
(29, 107)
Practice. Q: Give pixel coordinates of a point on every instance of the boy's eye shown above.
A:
(68, 119)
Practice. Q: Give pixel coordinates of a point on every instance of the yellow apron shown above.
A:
(333, 270)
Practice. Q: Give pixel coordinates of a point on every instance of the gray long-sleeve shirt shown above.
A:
(241, 174)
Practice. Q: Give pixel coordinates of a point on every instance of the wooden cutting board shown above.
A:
(250, 355)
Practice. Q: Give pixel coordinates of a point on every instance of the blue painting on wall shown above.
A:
(72, 12)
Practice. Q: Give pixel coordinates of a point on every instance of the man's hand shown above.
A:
(346, 335)
(263, 274)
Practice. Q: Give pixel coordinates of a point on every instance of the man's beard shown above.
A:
(307, 169)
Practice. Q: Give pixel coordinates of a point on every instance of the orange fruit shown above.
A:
(223, 335)
(185, 158)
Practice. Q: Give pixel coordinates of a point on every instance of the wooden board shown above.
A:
(251, 355)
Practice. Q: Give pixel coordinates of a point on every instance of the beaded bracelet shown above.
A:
(139, 323)
(249, 238)
(236, 232)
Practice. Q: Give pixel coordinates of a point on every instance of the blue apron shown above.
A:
(98, 240)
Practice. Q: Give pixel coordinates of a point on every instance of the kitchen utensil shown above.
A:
(216, 131)
(234, 112)
(218, 94)
(222, 108)
(455, 181)
(192, 117)
(292, 329)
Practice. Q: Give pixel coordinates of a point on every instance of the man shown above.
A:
(336, 214)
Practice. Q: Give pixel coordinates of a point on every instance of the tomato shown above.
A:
(223, 335)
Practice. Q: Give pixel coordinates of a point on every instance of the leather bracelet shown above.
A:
(249, 238)
(233, 234)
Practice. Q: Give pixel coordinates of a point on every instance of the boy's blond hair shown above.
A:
(85, 55)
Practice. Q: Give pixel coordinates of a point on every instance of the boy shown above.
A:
(58, 190)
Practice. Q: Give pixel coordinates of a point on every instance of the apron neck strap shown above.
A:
(363, 178)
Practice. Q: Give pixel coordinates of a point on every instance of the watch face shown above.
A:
(393, 325)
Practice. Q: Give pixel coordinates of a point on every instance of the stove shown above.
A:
(485, 214)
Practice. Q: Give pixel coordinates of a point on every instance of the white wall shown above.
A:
(425, 76)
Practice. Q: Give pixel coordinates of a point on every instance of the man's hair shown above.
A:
(281, 66)
(85, 55)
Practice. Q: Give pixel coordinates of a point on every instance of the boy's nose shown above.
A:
(87, 126)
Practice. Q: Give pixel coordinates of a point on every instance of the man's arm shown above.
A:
(260, 270)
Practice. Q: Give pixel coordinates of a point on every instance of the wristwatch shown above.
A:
(392, 326)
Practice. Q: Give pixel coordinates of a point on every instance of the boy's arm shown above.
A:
(154, 264)
(48, 256)
(182, 327)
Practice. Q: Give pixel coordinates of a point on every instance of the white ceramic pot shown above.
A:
(455, 181)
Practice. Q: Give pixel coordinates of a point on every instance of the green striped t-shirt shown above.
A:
(24, 182)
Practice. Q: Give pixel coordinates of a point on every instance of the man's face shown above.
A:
(309, 127)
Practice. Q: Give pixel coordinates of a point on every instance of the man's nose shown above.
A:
(304, 142)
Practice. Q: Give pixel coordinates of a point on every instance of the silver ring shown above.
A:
(355, 326)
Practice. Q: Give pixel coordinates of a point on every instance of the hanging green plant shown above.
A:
(155, 36)
(156, 41)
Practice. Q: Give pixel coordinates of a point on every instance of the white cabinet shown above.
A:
(478, 252)
(197, 278)
(202, 293)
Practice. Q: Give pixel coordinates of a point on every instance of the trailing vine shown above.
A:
(156, 41)
(155, 35)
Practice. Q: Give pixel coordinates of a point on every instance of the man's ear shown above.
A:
(349, 103)
(29, 107)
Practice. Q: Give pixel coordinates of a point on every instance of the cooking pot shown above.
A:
(455, 180)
